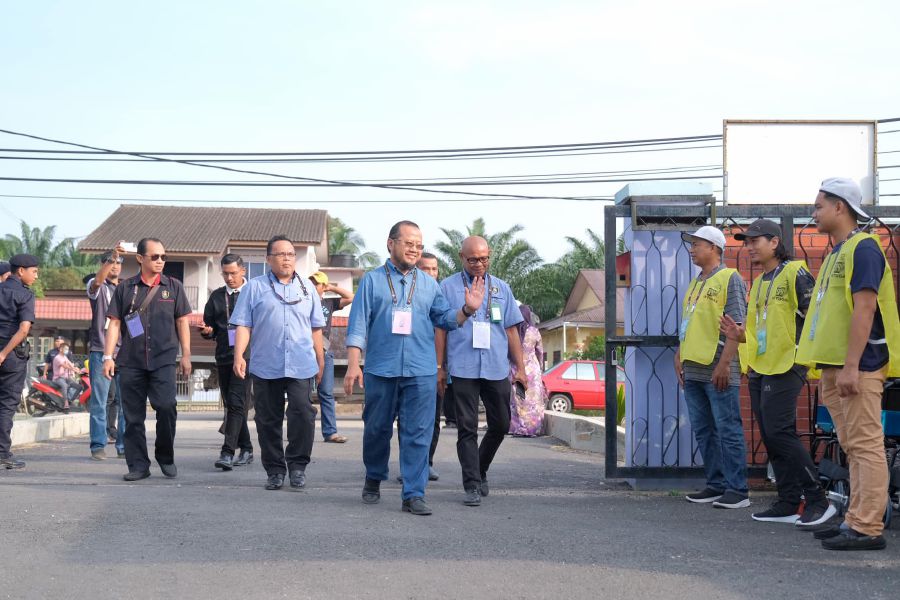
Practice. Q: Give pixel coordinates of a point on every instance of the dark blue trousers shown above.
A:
(411, 401)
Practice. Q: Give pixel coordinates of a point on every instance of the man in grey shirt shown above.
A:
(708, 368)
(105, 399)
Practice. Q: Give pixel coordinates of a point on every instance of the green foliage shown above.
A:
(620, 404)
(343, 239)
(595, 348)
(512, 259)
(62, 266)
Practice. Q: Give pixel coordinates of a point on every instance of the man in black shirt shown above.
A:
(235, 391)
(325, 389)
(155, 311)
(16, 317)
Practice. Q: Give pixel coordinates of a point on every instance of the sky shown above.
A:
(206, 76)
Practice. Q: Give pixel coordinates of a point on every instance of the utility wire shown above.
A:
(319, 201)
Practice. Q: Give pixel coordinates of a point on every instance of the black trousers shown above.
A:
(474, 459)
(437, 430)
(112, 413)
(773, 399)
(268, 395)
(236, 397)
(449, 404)
(137, 386)
(12, 381)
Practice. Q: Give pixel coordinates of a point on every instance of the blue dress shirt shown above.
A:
(473, 363)
(281, 338)
(371, 318)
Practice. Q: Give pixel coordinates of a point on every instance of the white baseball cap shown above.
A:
(846, 189)
(707, 233)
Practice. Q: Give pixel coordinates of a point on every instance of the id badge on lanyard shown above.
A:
(481, 335)
(231, 336)
(496, 313)
(401, 320)
(683, 329)
(134, 325)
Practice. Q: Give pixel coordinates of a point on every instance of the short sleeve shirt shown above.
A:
(463, 359)
(868, 269)
(158, 346)
(16, 306)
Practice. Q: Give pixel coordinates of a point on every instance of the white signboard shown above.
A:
(783, 162)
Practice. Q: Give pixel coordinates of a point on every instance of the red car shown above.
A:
(578, 384)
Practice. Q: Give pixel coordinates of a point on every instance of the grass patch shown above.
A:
(589, 413)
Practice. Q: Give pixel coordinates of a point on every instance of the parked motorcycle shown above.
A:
(46, 397)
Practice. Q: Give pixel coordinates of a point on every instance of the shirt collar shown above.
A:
(231, 292)
(394, 268)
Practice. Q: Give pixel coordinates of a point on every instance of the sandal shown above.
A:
(336, 438)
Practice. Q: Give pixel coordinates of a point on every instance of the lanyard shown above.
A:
(828, 268)
(693, 305)
(768, 291)
(487, 287)
(134, 295)
(279, 296)
(412, 288)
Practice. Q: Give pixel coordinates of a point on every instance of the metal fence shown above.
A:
(655, 352)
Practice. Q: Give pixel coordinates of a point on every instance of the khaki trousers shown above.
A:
(857, 421)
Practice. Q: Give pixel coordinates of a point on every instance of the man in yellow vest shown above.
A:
(709, 370)
(779, 299)
(852, 333)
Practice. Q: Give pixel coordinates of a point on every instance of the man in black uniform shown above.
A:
(235, 391)
(154, 312)
(16, 317)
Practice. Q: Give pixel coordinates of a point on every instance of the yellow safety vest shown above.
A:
(826, 332)
(777, 318)
(702, 308)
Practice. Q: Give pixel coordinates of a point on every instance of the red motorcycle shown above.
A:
(46, 397)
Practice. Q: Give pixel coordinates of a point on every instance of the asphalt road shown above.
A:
(551, 528)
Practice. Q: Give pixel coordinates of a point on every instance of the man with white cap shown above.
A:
(709, 370)
(852, 332)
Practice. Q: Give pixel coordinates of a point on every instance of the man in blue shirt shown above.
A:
(478, 356)
(280, 316)
(395, 311)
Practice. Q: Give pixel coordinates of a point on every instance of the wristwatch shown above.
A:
(466, 312)
(106, 357)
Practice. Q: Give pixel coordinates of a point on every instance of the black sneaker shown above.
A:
(371, 493)
(816, 513)
(417, 506)
(732, 500)
(706, 496)
(11, 462)
(473, 497)
(275, 481)
(850, 539)
(781, 511)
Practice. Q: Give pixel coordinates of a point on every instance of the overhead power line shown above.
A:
(318, 201)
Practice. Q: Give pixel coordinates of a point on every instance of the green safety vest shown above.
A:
(703, 307)
(778, 318)
(826, 332)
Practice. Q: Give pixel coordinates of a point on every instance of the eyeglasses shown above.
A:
(410, 245)
(156, 257)
(478, 259)
(284, 254)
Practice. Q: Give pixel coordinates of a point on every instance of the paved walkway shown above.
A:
(550, 529)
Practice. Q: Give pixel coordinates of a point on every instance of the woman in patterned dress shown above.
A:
(527, 414)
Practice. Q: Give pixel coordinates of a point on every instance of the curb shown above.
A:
(51, 427)
(581, 433)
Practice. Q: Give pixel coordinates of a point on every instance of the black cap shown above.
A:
(759, 228)
(24, 261)
(4, 267)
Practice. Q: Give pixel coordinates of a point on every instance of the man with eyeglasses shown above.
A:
(235, 390)
(280, 316)
(154, 312)
(106, 399)
(395, 311)
(478, 356)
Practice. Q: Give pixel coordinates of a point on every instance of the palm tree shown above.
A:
(512, 259)
(39, 243)
(343, 239)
